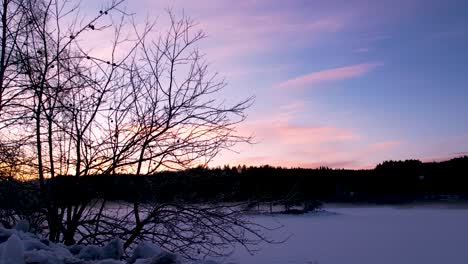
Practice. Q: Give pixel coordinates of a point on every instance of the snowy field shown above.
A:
(367, 235)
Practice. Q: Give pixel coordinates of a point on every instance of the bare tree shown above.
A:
(151, 104)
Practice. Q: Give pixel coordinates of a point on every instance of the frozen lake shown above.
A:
(367, 235)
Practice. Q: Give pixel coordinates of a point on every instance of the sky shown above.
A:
(344, 84)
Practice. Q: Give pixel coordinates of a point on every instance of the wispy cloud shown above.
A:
(329, 75)
(291, 134)
(384, 145)
(280, 129)
(243, 35)
(281, 141)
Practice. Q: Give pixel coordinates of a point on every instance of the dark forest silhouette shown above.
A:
(389, 182)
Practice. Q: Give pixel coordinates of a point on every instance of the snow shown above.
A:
(113, 250)
(160, 259)
(90, 252)
(110, 261)
(75, 249)
(18, 246)
(34, 245)
(366, 235)
(46, 257)
(22, 225)
(4, 234)
(13, 251)
(145, 250)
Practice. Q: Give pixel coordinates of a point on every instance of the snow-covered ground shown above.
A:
(18, 246)
(339, 235)
(367, 235)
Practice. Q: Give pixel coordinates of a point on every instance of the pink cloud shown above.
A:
(281, 143)
(354, 156)
(280, 128)
(290, 163)
(338, 164)
(313, 135)
(334, 74)
(385, 145)
(293, 107)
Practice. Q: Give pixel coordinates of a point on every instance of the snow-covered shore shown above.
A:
(18, 246)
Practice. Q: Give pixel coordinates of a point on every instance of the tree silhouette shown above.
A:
(142, 105)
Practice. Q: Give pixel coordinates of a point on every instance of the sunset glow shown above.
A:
(337, 83)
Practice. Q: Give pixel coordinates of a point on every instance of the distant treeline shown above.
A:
(388, 182)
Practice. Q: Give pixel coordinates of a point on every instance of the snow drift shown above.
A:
(18, 246)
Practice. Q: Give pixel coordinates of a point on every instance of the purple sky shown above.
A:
(338, 83)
